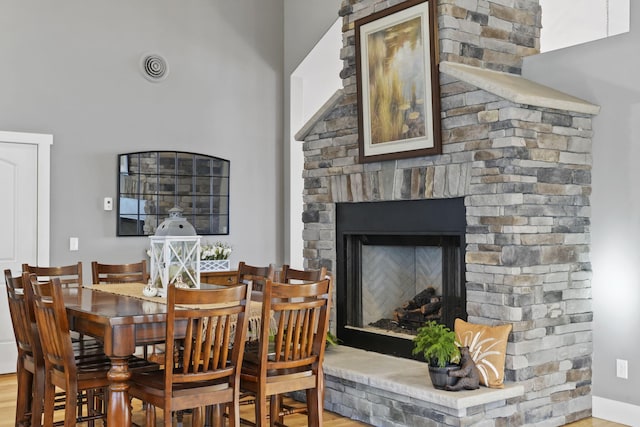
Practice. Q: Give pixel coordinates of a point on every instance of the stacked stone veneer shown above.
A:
(489, 34)
(525, 174)
(493, 34)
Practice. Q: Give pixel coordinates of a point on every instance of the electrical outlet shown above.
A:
(108, 203)
(73, 243)
(622, 369)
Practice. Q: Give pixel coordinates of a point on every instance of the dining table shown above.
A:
(122, 318)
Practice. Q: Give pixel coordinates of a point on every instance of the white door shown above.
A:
(21, 181)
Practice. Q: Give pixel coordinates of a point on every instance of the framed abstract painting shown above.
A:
(397, 80)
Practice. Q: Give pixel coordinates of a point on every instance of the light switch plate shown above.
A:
(622, 369)
(73, 243)
(108, 203)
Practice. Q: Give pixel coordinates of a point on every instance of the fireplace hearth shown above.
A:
(389, 253)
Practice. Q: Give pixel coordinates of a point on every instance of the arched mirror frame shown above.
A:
(152, 182)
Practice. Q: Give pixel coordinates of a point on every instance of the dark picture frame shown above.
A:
(150, 183)
(397, 82)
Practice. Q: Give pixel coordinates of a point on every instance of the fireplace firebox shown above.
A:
(399, 263)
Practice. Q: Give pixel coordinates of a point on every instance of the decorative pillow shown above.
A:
(488, 348)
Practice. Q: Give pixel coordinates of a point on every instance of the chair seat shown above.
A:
(83, 341)
(153, 382)
(140, 364)
(252, 368)
(88, 372)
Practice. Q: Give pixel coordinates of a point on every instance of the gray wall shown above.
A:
(70, 68)
(306, 21)
(606, 73)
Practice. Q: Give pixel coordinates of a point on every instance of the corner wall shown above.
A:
(525, 174)
(605, 73)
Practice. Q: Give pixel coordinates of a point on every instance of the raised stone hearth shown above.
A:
(519, 154)
(383, 390)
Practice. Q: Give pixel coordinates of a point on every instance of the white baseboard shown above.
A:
(617, 412)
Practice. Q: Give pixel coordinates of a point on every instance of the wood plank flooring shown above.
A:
(8, 399)
(594, 422)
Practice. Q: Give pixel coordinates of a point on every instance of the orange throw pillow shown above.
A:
(488, 348)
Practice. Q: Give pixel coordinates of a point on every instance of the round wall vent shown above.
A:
(154, 67)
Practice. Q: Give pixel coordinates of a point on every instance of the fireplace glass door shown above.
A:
(401, 287)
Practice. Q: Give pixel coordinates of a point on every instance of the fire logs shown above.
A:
(423, 307)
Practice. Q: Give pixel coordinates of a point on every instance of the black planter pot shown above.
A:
(440, 377)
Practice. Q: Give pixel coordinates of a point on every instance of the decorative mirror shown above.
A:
(153, 182)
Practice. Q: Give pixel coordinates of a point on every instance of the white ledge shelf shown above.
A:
(407, 377)
(518, 89)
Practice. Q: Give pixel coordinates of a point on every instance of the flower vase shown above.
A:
(214, 265)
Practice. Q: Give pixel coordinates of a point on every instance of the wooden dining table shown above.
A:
(121, 322)
(122, 319)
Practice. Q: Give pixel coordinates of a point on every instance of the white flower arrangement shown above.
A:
(216, 251)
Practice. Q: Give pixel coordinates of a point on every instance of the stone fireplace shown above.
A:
(517, 155)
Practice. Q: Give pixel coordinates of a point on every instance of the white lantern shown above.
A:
(175, 254)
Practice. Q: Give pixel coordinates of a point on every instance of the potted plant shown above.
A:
(437, 344)
(332, 340)
(215, 257)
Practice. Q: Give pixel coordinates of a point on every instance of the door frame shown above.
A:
(43, 143)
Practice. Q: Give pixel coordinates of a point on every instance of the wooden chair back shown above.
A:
(302, 316)
(52, 323)
(19, 314)
(215, 333)
(291, 275)
(119, 273)
(207, 329)
(257, 276)
(69, 275)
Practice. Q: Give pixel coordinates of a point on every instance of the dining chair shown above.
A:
(119, 273)
(291, 360)
(29, 367)
(255, 275)
(65, 369)
(69, 275)
(125, 273)
(207, 329)
(296, 276)
(292, 275)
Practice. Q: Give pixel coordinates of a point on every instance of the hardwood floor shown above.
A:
(594, 422)
(8, 410)
(8, 399)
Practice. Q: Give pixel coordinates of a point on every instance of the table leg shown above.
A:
(119, 409)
